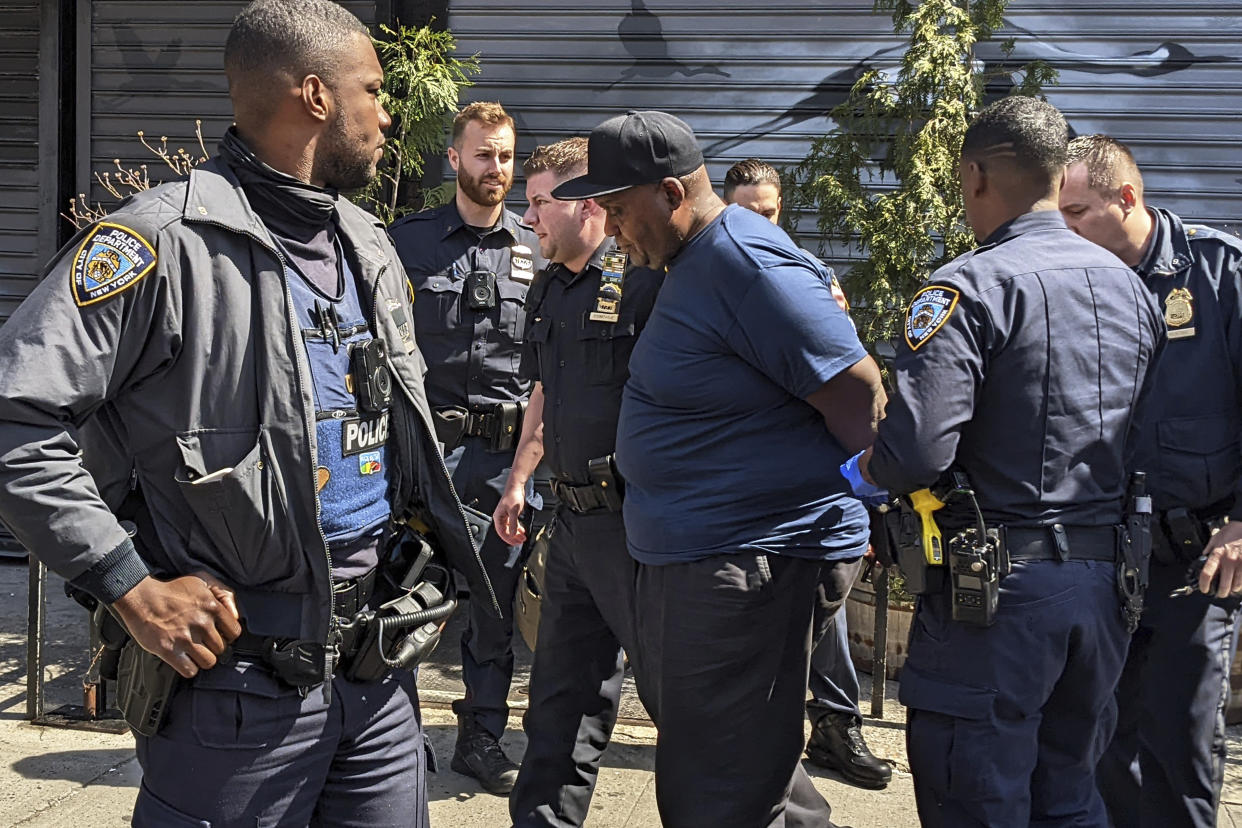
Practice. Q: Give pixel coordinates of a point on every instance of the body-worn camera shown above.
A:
(481, 289)
(368, 362)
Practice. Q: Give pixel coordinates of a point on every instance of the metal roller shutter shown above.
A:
(156, 66)
(19, 152)
(758, 79)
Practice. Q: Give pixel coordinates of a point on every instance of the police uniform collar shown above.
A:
(1026, 223)
(596, 261)
(1170, 246)
(214, 195)
(509, 221)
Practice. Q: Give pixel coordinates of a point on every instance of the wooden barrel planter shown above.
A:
(860, 620)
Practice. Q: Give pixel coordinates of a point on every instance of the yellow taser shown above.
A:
(925, 503)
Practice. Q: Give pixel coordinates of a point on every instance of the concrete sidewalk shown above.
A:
(54, 777)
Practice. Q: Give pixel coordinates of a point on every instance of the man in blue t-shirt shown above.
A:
(747, 388)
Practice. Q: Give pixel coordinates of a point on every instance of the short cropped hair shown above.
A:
(1029, 131)
(564, 158)
(750, 172)
(1109, 163)
(288, 37)
(488, 113)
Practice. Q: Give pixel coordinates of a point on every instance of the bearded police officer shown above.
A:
(586, 311)
(471, 263)
(836, 721)
(1166, 763)
(747, 380)
(244, 336)
(1020, 371)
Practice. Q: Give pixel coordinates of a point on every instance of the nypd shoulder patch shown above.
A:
(929, 310)
(111, 258)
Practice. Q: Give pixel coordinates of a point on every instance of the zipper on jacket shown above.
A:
(307, 432)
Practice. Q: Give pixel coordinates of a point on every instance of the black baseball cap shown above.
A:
(632, 149)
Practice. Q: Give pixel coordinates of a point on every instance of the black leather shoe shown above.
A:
(837, 744)
(480, 755)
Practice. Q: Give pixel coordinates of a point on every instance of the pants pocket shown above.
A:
(241, 710)
(152, 812)
(971, 740)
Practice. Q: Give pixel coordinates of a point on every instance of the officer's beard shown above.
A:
(348, 161)
(475, 191)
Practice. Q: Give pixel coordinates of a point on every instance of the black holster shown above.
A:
(1135, 553)
(144, 686)
(906, 532)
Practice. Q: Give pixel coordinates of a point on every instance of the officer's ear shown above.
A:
(590, 209)
(974, 179)
(1127, 194)
(317, 98)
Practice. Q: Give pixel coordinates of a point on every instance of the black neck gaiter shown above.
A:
(300, 216)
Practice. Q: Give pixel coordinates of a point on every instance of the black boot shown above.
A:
(480, 755)
(837, 744)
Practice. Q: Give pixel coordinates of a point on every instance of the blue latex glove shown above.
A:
(869, 493)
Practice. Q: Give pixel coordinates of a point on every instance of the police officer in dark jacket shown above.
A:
(1022, 366)
(206, 331)
(586, 311)
(1166, 763)
(471, 263)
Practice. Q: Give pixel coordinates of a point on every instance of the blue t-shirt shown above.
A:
(719, 449)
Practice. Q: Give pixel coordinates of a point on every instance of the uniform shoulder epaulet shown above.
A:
(421, 215)
(1201, 232)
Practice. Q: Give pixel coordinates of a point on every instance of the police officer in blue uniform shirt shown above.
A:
(586, 311)
(214, 332)
(747, 383)
(1167, 759)
(1021, 366)
(836, 740)
(471, 263)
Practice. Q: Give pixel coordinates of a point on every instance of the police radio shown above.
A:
(976, 560)
(368, 363)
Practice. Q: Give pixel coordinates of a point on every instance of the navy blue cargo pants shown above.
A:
(833, 682)
(238, 749)
(1006, 723)
(479, 476)
(1166, 763)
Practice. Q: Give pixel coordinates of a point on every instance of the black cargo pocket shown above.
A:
(1196, 449)
(975, 742)
(245, 709)
(607, 347)
(231, 482)
(152, 812)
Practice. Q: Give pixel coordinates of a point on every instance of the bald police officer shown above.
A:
(208, 328)
(1022, 365)
(1166, 762)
